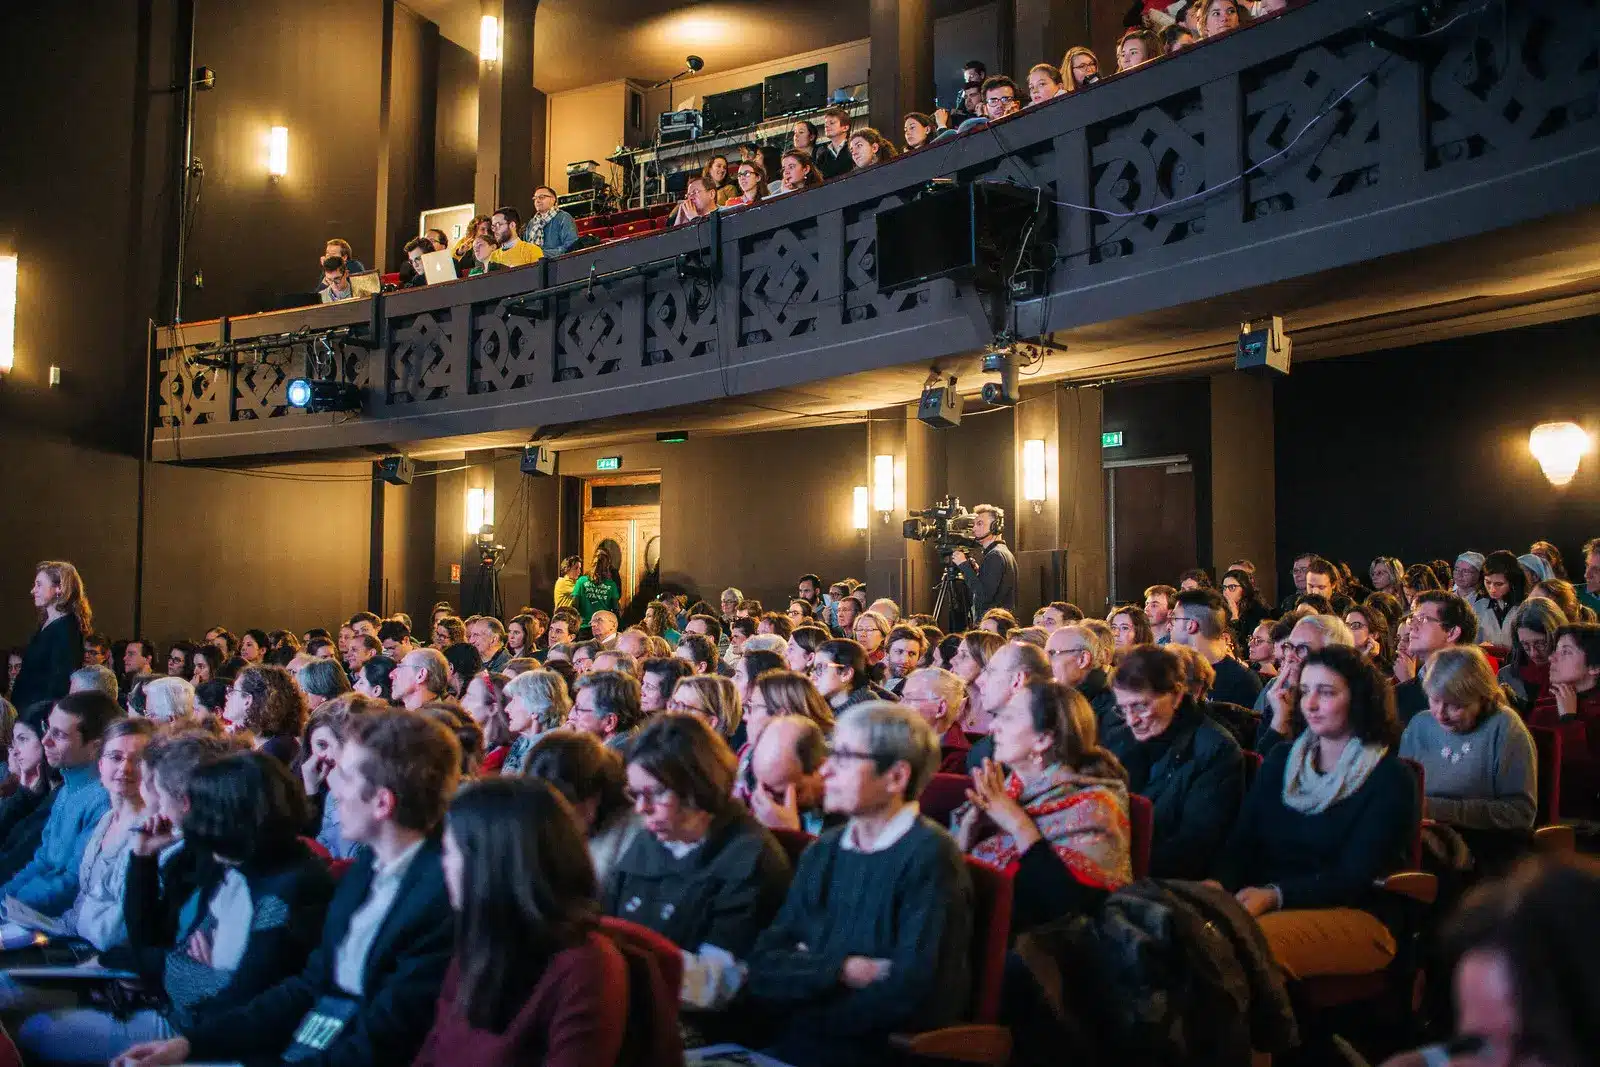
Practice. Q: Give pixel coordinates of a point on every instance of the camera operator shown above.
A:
(992, 581)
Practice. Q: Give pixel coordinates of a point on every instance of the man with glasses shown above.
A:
(422, 677)
(1200, 621)
(1012, 668)
(607, 705)
(1302, 566)
(1077, 659)
(875, 935)
(800, 613)
(1437, 620)
(1279, 701)
(940, 696)
(551, 228)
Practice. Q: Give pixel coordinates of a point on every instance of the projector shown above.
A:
(940, 407)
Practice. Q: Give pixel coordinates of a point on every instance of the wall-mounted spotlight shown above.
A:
(489, 40)
(1559, 447)
(883, 485)
(1033, 474)
(8, 313)
(278, 152)
(860, 508)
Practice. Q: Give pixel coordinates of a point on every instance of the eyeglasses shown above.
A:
(847, 754)
(1301, 651)
(674, 704)
(1067, 651)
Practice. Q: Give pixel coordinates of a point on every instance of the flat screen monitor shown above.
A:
(796, 91)
(733, 109)
(930, 237)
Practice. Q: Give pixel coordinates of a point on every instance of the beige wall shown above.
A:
(583, 123)
(847, 65)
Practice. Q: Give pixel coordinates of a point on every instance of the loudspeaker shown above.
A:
(396, 470)
(1264, 347)
(536, 459)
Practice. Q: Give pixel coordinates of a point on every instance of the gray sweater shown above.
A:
(1484, 780)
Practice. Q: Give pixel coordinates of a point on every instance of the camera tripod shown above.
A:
(951, 595)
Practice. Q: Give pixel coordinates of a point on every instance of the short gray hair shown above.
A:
(887, 608)
(766, 643)
(434, 667)
(730, 592)
(546, 693)
(1332, 628)
(168, 698)
(893, 734)
(98, 679)
(323, 678)
(1097, 638)
(620, 661)
(948, 684)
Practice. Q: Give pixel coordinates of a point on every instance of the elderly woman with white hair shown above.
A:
(166, 699)
(1279, 702)
(536, 702)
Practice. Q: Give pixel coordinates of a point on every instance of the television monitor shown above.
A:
(732, 110)
(796, 91)
(982, 229)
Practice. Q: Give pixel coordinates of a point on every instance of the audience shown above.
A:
(1571, 707)
(1044, 83)
(868, 148)
(551, 229)
(606, 705)
(832, 157)
(1079, 68)
(592, 778)
(510, 249)
(940, 697)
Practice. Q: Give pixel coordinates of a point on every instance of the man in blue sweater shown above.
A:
(71, 745)
(874, 936)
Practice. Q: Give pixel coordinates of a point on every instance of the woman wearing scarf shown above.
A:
(1326, 817)
(1059, 819)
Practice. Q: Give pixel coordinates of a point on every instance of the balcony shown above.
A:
(1199, 190)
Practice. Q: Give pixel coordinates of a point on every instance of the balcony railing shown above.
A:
(1315, 140)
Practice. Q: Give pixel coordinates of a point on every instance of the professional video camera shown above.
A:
(946, 523)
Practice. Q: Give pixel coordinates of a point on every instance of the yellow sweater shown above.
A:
(518, 255)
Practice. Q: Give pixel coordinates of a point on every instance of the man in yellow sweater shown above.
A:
(513, 250)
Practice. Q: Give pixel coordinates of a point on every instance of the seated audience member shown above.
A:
(776, 693)
(699, 201)
(1327, 816)
(839, 671)
(868, 148)
(250, 923)
(1188, 767)
(264, 702)
(376, 679)
(325, 735)
(1130, 626)
(1527, 670)
(1177, 37)
(320, 681)
(415, 249)
(483, 252)
(536, 703)
(103, 679)
(551, 228)
(335, 281)
(96, 650)
(336, 248)
(786, 764)
(1588, 592)
(26, 808)
(1505, 587)
(803, 135)
(1199, 621)
(1571, 707)
(918, 129)
(875, 934)
(699, 652)
(533, 978)
(180, 661)
(1369, 629)
(1051, 806)
(773, 624)
(905, 649)
(845, 613)
(1079, 659)
(832, 154)
(487, 634)
(511, 250)
(999, 621)
(603, 624)
(706, 875)
(166, 699)
(464, 664)
(720, 179)
(367, 992)
(592, 778)
(1437, 620)
(361, 649)
(1279, 702)
(1218, 17)
(210, 699)
(395, 637)
(1477, 757)
(1080, 69)
(75, 727)
(972, 653)
(1135, 47)
(1564, 595)
(754, 663)
(606, 705)
(485, 702)
(940, 697)
(659, 676)
(711, 698)
(423, 677)
(1044, 83)
(522, 635)
(871, 631)
(1243, 603)
(751, 181)
(1000, 99)
(1262, 651)
(796, 171)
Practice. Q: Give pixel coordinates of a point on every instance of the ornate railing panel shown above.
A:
(1373, 138)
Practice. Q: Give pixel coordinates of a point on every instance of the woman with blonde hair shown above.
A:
(972, 655)
(1077, 67)
(56, 648)
(536, 702)
(751, 178)
(711, 697)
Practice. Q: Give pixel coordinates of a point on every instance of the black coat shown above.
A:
(404, 971)
(1193, 776)
(55, 651)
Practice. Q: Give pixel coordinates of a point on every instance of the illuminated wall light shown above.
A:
(883, 485)
(1559, 447)
(860, 507)
(1033, 474)
(8, 313)
(480, 510)
(278, 152)
(489, 39)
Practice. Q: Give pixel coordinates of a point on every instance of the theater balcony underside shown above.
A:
(1376, 193)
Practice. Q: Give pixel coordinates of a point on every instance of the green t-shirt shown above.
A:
(590, 596)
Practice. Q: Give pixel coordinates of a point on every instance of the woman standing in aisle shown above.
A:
(56, 649)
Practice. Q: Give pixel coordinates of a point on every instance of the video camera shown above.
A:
(946, 523)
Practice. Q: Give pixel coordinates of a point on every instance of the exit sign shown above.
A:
(1111, 439)
(608, 463)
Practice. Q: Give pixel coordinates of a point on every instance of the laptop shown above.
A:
(439, 267)
(368, 283)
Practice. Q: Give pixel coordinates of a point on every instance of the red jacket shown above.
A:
(953, 749)
(1580, 749)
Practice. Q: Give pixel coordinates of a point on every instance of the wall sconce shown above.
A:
(860, 507)
(8, 313)
(1033, 480)
(1559, 447)
(480, 510)
(278, 152)
(489, 40)
(883, 485)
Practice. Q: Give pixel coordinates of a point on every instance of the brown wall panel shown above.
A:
(455, 139)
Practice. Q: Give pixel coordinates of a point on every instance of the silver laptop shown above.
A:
(439, 267)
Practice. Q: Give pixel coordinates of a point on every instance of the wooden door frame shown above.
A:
(1110, 467)
(629, 513)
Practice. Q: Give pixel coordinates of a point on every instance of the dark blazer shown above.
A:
(24, 834)
(1193, 777)
(404, 972)
(54, 652)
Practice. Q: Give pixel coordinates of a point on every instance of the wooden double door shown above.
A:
(622, 514)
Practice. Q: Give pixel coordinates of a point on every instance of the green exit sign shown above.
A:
(1111, 439)
(608, 463)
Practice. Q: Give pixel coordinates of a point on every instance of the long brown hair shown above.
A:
(72, 600)
(1065, 716)
(789, 693)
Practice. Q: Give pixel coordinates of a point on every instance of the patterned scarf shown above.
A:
(1312, 792)
(1084, 818)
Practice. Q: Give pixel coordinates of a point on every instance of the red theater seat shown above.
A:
(637, 226)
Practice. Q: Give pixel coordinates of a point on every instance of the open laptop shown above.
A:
(439, 267)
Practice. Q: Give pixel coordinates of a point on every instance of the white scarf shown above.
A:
(1312, 792)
